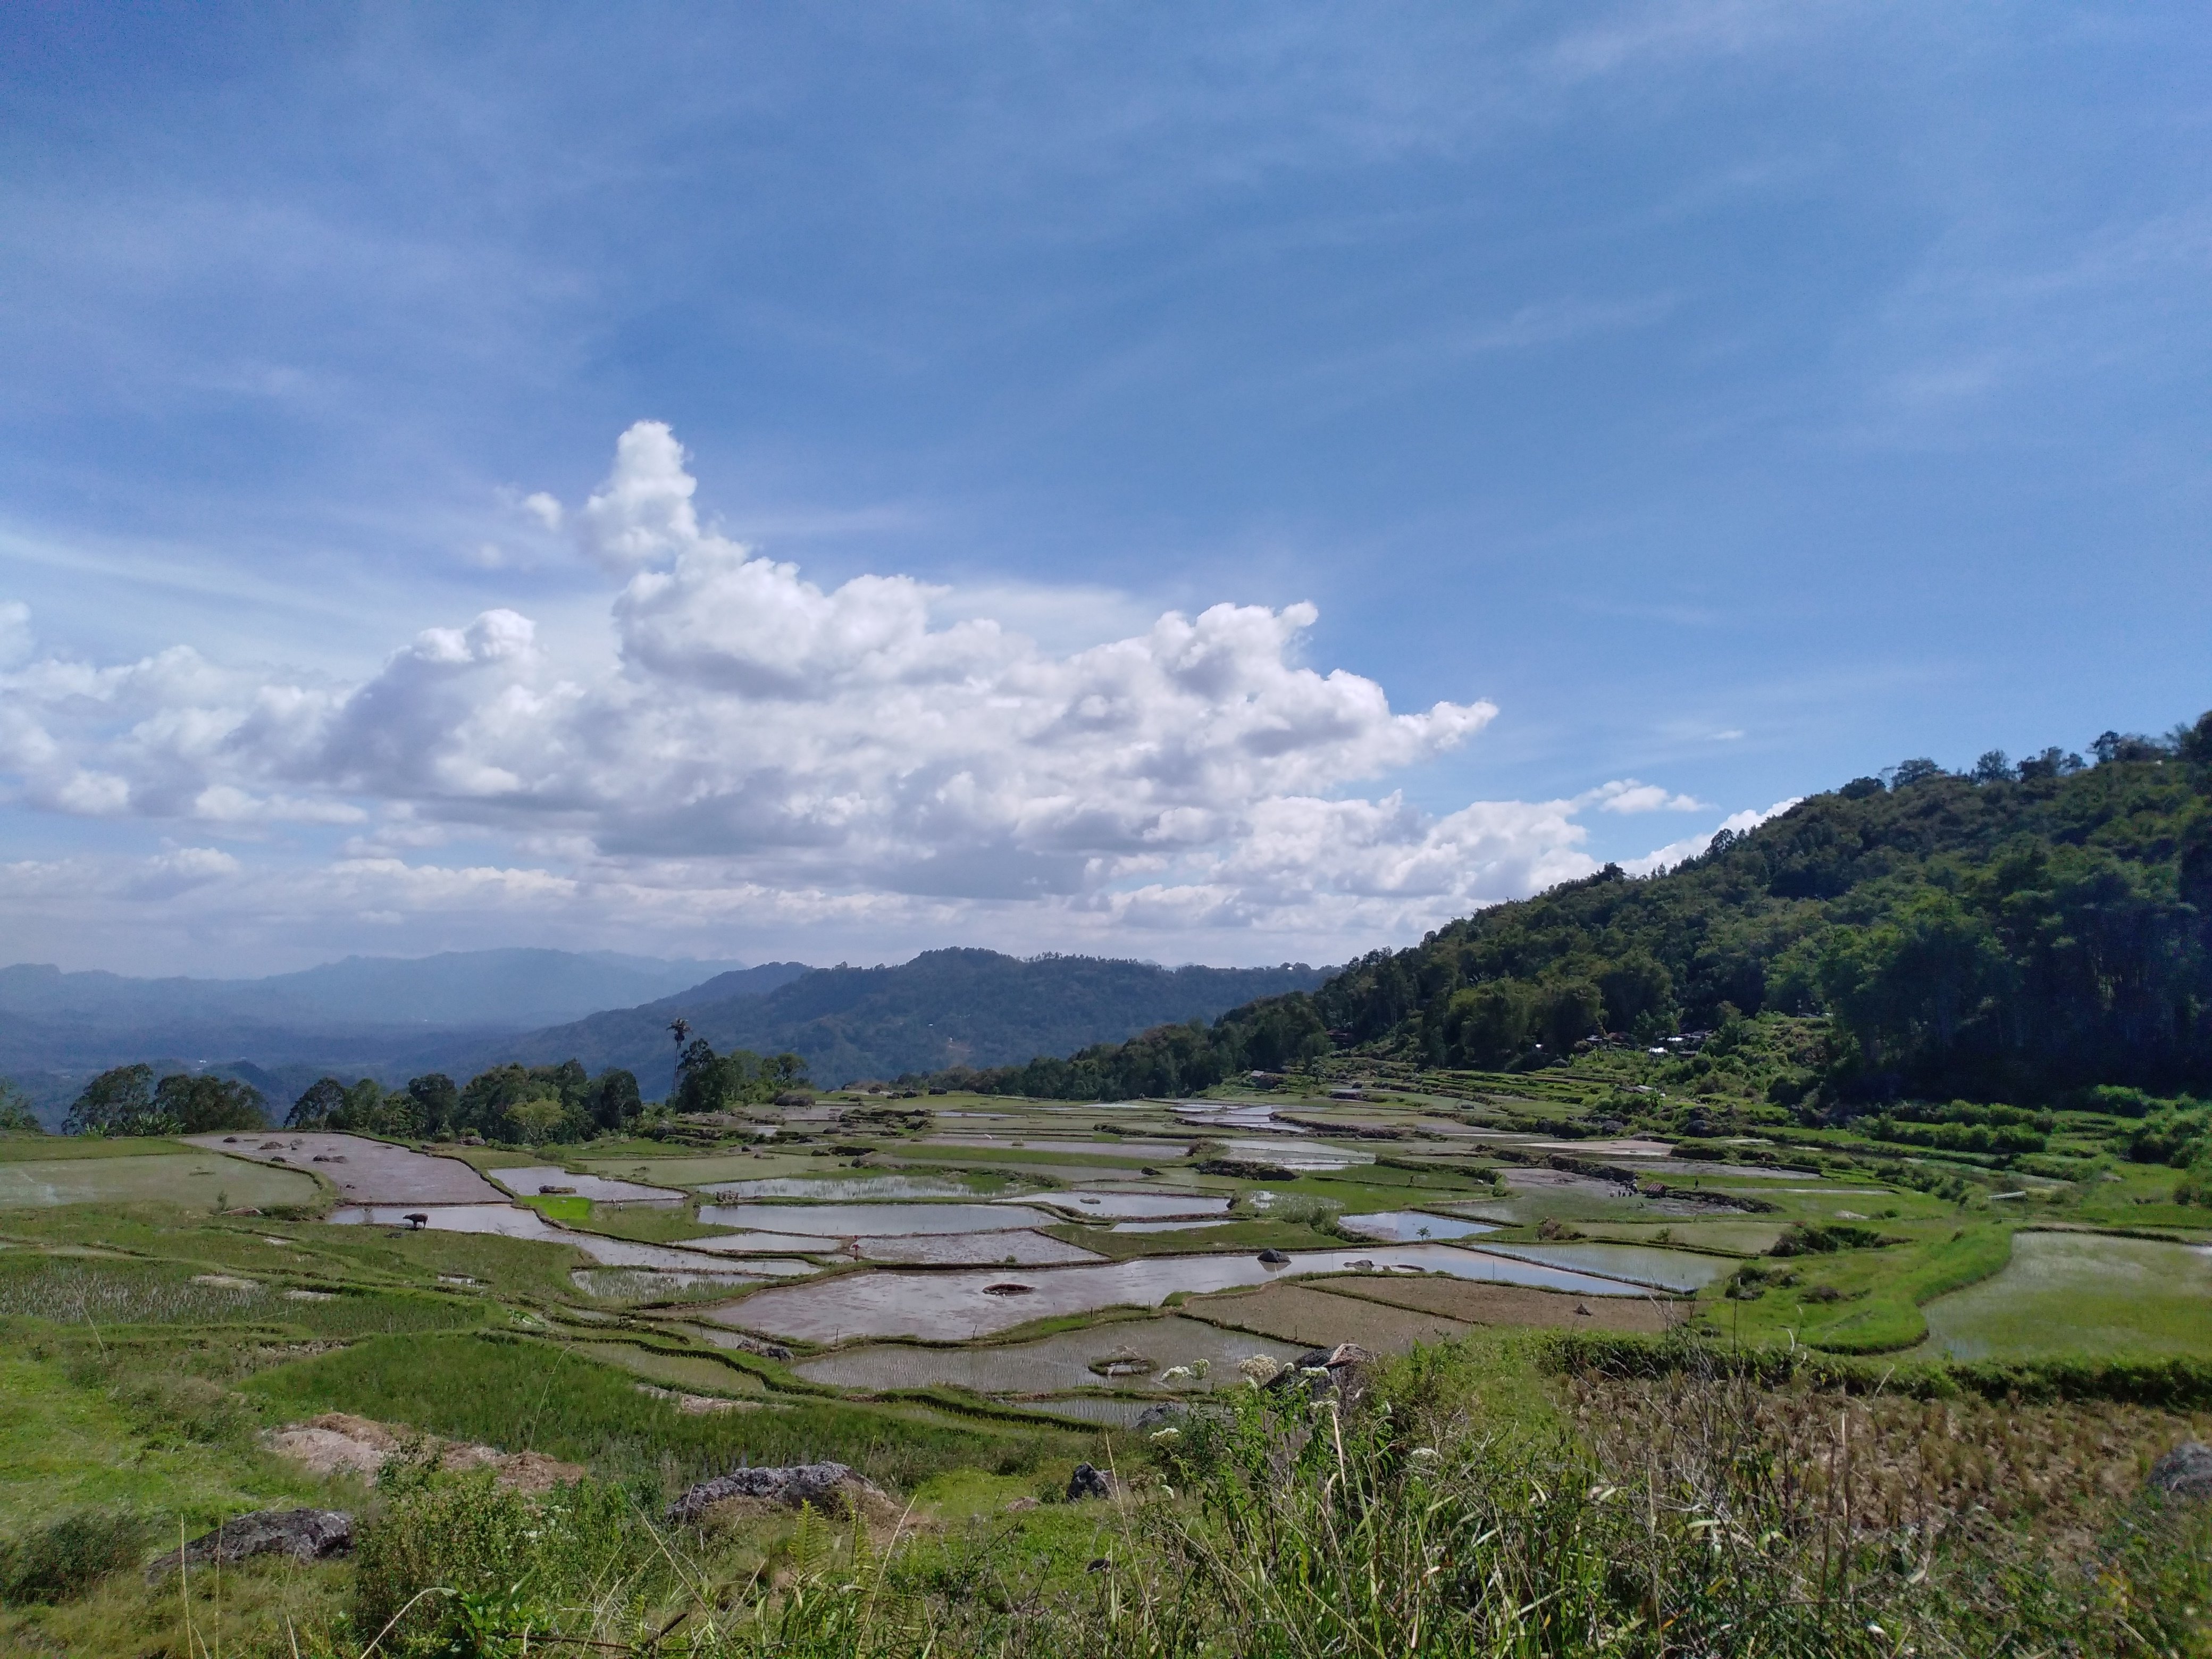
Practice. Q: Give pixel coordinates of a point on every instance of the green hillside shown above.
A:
(2010, 934)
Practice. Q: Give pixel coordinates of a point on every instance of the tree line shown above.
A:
(529, 1104)
(2010, 931)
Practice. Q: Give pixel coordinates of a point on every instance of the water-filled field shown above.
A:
(518, 1221)
(957, 1306)
(849, 1189)
(1410, 1226)
(364, 1171)
(1054, 1364)
(1669, 1270)
(1017, 1249)
(197, 1179)
(872, 1220)
(1133, 1207)
(532, 1179)
(2080, 1293)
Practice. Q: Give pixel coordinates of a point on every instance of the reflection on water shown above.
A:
(1052, 1365)
(759, 1243)
(1136, 1206)
(1215, 1115)
(952, 1307)
(849, 1189)
(532, 1179)
(1161, 1226)
(1140, 1151)
(1023, 1249)
(514, 1221)
(1670, 1270)
(872, 1220)
(1303, 1155)
(1407, 1226)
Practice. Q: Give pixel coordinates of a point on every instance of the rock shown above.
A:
(337, 1443)
(1089, 1482)
(825, 1485)
(1274, 1258)
(303, 1534)
(2185, 1472)
(1164, 1416)
(1009, 1289)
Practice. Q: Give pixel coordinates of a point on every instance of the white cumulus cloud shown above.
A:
(756, 751)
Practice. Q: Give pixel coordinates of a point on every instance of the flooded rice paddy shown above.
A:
(1165, 1226)
(1407, 1227)
(516, 1221)
(1055, 1365)
(364, 1171)
(1133, 1207)
(872, 1220)
(1140, 1151)
(851, 1189)
(2079, 1293)
(1020, 1249)
(960, 1305)
(1314, 1155)
(1669, 1270)
(601, 1189)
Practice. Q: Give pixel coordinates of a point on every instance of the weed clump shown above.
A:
(63, 1558)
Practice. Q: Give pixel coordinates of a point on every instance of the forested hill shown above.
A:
(944, 1008)
(2007, 933)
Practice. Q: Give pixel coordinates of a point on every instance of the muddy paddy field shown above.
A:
(964, 1306)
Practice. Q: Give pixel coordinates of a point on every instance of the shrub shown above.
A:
(66, 1558)
(452, 1556)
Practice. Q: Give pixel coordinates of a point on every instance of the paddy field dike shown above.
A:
(1593, 1388)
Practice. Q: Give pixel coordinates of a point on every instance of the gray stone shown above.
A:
(1154, 1418)
(825, 1485)
(2185, 1472)
(1089, 1482)
(1273, 1258)
(303, 1534)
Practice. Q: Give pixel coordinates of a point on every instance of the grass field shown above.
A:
(145, 1341)
(2065, 1292)
(205, 1181)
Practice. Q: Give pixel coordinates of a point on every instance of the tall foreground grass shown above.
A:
(1703, 1520)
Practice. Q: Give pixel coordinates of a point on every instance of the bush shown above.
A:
(452, 1558)
(66, 1558)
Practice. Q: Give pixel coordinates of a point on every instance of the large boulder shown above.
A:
(1089, 1482)
(829, 1486)
(303, 1534)
(2185, 1472)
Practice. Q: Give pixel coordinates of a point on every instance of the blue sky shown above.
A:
(1734, 398)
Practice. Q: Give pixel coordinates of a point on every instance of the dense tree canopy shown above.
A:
(2011, 934)
(127, 1101)
(532, 1103)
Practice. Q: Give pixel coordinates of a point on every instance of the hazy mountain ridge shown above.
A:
(945, 1007)
(508, 989)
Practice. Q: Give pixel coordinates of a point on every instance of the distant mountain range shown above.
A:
(365, 1015)
(392, 1018)
(944, 1008)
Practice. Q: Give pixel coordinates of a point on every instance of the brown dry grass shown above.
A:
(1885, 1464)
(1299, 1312)
(1478, 1303)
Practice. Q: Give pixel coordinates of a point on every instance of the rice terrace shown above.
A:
(1292, 830)
(1654, 1337)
